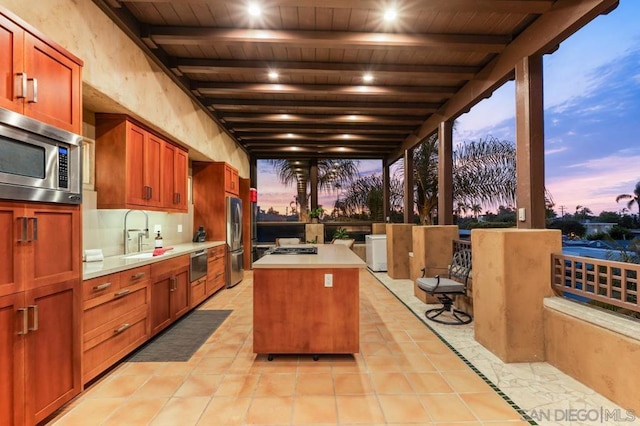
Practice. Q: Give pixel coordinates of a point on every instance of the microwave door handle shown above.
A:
(35, 228)
(24, 237)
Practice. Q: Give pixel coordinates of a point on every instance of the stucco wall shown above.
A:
(119, 77)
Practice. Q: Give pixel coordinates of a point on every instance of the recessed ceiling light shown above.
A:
(390, 14)
(346, 136)
(289, 135)
(273, 75)
(352, 117)
(294, 148)
(367, 78)
(285, 116)
(254, 9)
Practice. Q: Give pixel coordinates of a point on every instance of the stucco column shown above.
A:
(398, 247)
(433, 250)
(511, 277)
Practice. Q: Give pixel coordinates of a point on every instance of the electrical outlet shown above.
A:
(328, 280)
(179, 228)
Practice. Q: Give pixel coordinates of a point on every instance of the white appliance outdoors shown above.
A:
(376, 252)
(234, 241)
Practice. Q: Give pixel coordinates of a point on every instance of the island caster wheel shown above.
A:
(270, 357)
(316, 357)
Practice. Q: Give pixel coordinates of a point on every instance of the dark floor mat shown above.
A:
(180, 341)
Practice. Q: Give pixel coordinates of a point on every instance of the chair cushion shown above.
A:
(446, 285)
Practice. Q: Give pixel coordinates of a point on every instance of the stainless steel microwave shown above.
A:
(38, 162)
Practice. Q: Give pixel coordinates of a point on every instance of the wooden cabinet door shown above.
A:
(54, 252)
(11, 65)
(52, 348)
(231, 180)
(54, 86)
(136, 191)
(152, 169)
(168, 171)
(11, 247)
(160, 304)
(12, 408)
(181, 172)
(180, 294)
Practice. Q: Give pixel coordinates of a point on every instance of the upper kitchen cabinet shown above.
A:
(136, 168)
(40, 79)
(231, 180)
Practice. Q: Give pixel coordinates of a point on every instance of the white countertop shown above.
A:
(329, 256)
(119, 263)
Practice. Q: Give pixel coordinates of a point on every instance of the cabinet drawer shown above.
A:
(169, 267)
(135, 276)
(217, 252)
(121, 303)
(114, 342)
(100, 286)
(215, 267)
(198, 292)
(215, 283)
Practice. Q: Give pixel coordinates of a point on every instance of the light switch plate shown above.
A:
(328, 280)
(179, 228)
(522, 215)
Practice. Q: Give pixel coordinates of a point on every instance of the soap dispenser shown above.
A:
(158, 240)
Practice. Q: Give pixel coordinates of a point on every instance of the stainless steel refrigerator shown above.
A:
(235, 252)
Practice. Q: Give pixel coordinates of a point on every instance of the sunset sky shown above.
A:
(592, 119)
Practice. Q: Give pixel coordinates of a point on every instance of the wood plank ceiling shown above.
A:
(320, 104)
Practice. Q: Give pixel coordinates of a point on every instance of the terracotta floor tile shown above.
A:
(433, 347)
(466, 381)
(203, 385)
(176, 369)
(225, 411)
(181, 411)
(390, 383)
(382, 363)
(159, 386)
(138, 411)
(213, 366)
(352, 384)
(348, 364)
(270, 410)
(446, 408)
(276, 385)
(416, 362)
(447, 362)
(314, 410)
(140, 368)
(90, 412)
(489, 406)
(428, 383)
(403, 409)
(374, 348)
(314, 384)
(237, 385)
(119, 386)
(359, 409)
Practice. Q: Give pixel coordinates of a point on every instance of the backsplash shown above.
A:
(104, 228)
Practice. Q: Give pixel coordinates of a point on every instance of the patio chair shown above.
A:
(349, 242)
(444, 288)
(287, 241)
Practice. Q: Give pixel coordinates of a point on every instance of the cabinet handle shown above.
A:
(122, 328)
(35, 318)
(174, 284)
(25, 321)
(122, 293)
(150, 193)
(21, 85)
(101, 286)
(137, 276)
(35, 228)
(34, 93)
(24, 238)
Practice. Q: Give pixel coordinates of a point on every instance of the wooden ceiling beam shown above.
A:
(262, 137)
(415, 92)
(320, 128)
(183, 66)
(345, 107)
(496, 6)
(172, 35)
(322, 118)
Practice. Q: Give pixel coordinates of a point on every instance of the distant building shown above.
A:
(597, 227)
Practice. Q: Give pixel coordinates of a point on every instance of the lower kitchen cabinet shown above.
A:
(216, 278)
(198, 292)
(169, 291)
(39, 352)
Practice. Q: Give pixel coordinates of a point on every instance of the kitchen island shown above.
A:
(307, 303)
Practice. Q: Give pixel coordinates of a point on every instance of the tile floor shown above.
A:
(404, 374)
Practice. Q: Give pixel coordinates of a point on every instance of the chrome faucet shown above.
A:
(141, 232)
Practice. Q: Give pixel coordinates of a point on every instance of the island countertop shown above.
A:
(329, 256)
(123, 262)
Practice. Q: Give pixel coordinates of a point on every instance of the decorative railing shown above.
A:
(461, 244)
(605, 281)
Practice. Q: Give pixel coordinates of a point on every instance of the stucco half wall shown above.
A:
(118, 77)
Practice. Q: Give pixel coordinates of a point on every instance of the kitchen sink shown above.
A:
(140, 256)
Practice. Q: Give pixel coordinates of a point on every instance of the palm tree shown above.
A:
(633, 198)
(331, 174)
(476, 209)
